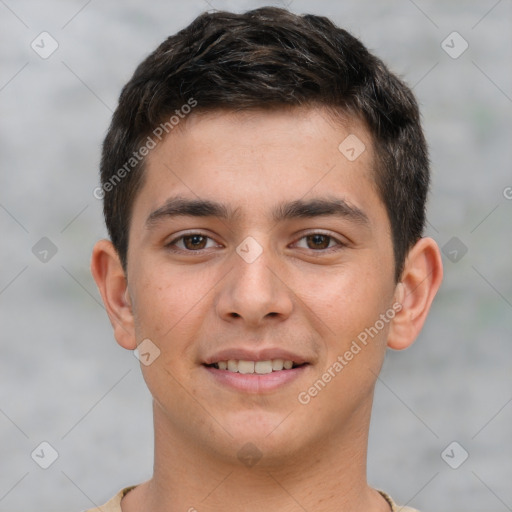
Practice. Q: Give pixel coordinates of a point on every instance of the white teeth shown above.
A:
(259, 367)
(262, 367)
(245, 366)
(277, 364)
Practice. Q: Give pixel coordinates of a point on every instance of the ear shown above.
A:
(421, 278)
(111, 280)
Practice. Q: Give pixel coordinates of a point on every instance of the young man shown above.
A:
(264, 181)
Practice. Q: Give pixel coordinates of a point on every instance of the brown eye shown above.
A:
(318, 241)
(193, 242)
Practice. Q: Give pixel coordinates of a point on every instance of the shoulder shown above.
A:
(394, 506)
(114, 504)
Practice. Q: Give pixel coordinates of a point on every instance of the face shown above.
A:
(254, 238)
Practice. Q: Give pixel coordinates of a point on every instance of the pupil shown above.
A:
(318, 239)
(193, 241)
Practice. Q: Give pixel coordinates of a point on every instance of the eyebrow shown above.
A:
(317, 207)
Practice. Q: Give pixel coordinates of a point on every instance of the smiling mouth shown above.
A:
(257, 367)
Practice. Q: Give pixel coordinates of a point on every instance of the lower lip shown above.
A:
(253, 382)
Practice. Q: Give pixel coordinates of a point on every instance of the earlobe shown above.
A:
(420, 281)
(110, 278)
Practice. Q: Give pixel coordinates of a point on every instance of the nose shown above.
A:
(255, 292)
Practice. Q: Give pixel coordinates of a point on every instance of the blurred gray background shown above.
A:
(63, 378)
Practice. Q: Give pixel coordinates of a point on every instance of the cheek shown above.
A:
(166, 301)
(347, 301)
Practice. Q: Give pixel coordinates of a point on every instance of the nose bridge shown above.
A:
(253, 290)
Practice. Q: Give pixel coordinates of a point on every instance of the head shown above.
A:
(244, 121)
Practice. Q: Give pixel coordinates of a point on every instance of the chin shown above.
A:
(271, 436)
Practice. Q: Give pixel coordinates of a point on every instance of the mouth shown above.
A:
(256, 377)
(255, 367)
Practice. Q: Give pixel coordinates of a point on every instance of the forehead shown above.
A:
(253, 160)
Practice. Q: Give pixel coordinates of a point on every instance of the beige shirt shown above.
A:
(114, 505)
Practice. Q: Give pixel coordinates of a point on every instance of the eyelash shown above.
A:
(172, 244)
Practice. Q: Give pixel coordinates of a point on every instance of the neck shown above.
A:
(327, 476)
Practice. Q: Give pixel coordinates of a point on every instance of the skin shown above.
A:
(309, 300)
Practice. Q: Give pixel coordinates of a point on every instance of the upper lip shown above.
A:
(265, 354)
